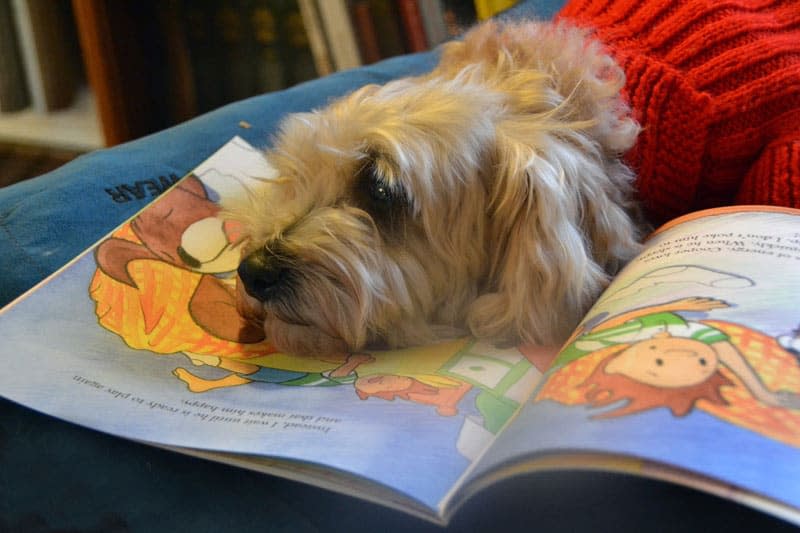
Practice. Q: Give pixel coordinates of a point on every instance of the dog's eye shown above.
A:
(382, 198)
(372, 180)
(379, 191)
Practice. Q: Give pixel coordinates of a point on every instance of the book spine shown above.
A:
(488, 8)
(432, 12)
(387, 27)
(204, 55)
(316, 37)
(31, 56)
(104, 73)
(237, 74)
(180, 76)
(268, 65)
(299, 59)
(339, 33)
(30, 59)
(13, 87)
(458, 16)
(412, 24)
(365, 30)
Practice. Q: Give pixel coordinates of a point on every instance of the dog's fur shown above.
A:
(488, 194)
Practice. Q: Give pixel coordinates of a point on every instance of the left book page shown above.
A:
(138, 337)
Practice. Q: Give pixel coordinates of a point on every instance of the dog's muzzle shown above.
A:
(263, 274)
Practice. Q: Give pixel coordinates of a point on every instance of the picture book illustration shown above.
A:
(656, 357)
(165, 283)
(154, 306)
(689, 360)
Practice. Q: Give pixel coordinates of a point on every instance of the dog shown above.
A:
(485, 197)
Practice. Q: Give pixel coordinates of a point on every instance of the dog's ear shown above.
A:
(558, 193)
(557, 227)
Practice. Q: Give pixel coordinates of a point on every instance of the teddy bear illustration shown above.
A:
(178, 244)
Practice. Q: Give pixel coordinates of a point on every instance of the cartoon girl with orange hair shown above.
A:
(652, 357)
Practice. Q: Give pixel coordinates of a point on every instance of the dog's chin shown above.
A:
(301, 339)
(286, 336)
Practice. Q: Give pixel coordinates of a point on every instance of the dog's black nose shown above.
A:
(262, 272)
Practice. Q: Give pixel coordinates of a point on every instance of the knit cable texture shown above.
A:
(716, 87)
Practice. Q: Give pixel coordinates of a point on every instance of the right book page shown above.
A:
(686, 368)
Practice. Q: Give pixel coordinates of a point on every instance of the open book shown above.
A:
(686, 369)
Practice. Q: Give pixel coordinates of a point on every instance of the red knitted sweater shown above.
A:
(716, 87)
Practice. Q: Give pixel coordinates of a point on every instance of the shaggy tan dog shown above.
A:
(487, 195)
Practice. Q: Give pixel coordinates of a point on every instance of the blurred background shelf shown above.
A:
(75, 128)
(83, 74)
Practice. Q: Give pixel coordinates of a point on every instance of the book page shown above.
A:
(690, 359)
(139, 338)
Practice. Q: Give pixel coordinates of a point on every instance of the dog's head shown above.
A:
(488, 194)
